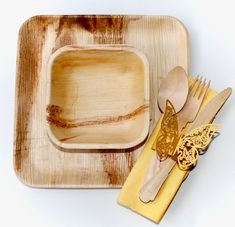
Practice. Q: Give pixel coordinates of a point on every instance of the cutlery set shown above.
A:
(186, 115)
(105, 101)
(170, 154)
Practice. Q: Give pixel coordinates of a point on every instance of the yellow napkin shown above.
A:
(129, 195)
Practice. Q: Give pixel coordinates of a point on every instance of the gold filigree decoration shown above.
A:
(168, 135)
(187, 150)
(184, 149)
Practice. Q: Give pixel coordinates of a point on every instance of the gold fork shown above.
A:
(187, 115)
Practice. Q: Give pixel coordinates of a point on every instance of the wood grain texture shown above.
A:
(37, 162)
(98, 97)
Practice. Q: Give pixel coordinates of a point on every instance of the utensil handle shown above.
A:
(150, 189)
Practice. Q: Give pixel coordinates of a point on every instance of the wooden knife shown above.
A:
(209, 112)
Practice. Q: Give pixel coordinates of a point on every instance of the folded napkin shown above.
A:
(129, 195)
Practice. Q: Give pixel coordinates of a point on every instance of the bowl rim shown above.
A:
(115, 47)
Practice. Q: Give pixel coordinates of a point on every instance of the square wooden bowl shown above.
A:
(98, 97)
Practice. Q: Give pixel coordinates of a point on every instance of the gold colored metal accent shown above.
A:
(189, 146)
(184, 149)
(168, 135)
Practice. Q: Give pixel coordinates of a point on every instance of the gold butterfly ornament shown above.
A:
(184, 149)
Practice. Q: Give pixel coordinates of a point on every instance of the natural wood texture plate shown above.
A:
(38, 162)
(98, 97)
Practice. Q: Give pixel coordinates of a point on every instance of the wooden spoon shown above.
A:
(174, 87)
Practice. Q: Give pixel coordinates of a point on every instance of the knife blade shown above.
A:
(209, 112)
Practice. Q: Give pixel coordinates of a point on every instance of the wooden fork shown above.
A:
(196, 95)
(187, 115)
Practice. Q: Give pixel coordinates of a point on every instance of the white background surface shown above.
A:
(207, 198)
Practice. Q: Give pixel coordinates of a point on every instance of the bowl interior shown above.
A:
(98, 97)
